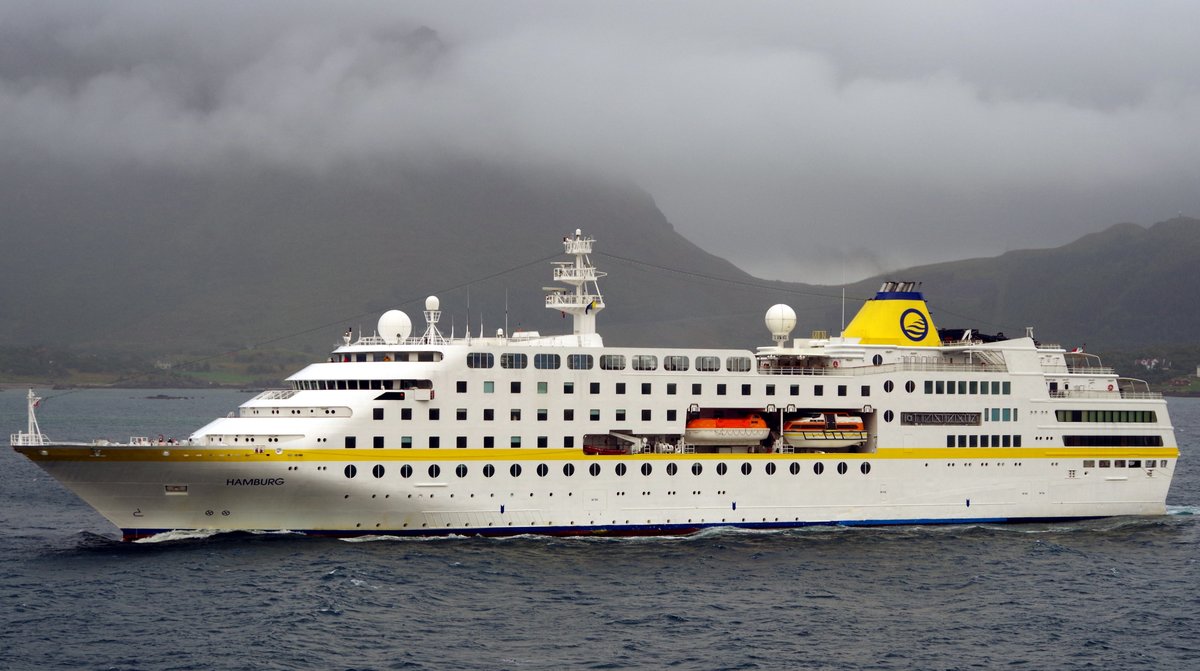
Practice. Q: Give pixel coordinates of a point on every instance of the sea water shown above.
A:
(1104, 594)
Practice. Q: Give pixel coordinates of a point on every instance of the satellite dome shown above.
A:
(394, 327)
(432, 303)
(780, 319)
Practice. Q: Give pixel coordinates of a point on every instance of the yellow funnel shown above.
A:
(896, 316)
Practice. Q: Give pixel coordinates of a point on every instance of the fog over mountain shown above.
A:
(802, 141)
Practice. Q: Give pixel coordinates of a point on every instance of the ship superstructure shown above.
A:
(891, 422)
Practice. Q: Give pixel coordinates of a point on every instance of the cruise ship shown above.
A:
(892, 422)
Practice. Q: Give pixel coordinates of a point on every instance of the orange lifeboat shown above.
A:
(744, 430)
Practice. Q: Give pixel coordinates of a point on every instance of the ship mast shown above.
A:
(583, 301)
(33, 434)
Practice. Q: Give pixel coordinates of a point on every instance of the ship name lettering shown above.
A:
(253, 482)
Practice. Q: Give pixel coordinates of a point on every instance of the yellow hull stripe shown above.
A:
(178, 453)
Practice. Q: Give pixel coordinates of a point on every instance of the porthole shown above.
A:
(377, 470)
(770, 468)
(721, 468)
(406, 471)
(888, 386)
(434, 470)
(910, 386)
(746, 468)
(350, 471)
(672, 469)
(818, 468)
(594, 469)
(515, 470)
(794, 468)
(888, 415)
(697, 469)
(865, 467)
(542, 470)
(877, 359)
(647, 469)
(568, 470)
(461, 470)
(621, 469)
(489, 470)
(842, 468)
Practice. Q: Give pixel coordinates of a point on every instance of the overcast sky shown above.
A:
(802, 141)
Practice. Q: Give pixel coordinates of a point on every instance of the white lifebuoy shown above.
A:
(835, 364)
(1110, 387)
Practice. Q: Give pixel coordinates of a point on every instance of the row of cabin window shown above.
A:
(1139, 416)
(1123, 463)
(968, 387)
(1113, 441)
(517, 360)
(984, 440)
(514, 414)
(435, 442)
(514, 387)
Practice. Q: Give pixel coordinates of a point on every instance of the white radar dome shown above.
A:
(394, 327)
(432, 303)
(780, 319)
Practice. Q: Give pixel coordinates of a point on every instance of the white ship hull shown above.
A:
(144, 492)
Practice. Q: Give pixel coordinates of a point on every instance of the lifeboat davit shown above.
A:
(825, 430)
(744, 430)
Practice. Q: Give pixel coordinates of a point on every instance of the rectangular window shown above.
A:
(568, 441)
(543, 441)
(594, 415)
(996, 388)
(962, 387)
(645, 415)
(543, 387)
(983, 441)
(745, 390)
(1007, 440)
(480, 360)
(995, 441)
(620, 387)
(770, 390)
(514, 441)
(737, 364)
(841, 390)
(542, 414)
(435, 442)
(962, 440)
(435, 414)
(939, 387)
(460, 414)
(547, 361)
(579, 361)
(489, 414)
(708, 364)
(671, 415)
(974, 440)
(594, 388)
(621, 415)
(406, 442)
(950, 387)
(995, 414)
(461, 386)
(1089, 463)
(794, 390)
(1006, 415)
(1017, 440)
(974, 387)
(865, 390)
(1006, 388)
(489, 387)
(568, 387)
(568, 414)
(376, 413)
(514, 387)
(671, 388)
(983, 388)
(377, 442)
(819, 390)
(460, 441)
(721, 389)
(514, 414)
(645, 388)
(949, 441)
(489, 441)
(405, 413)
(697, 388)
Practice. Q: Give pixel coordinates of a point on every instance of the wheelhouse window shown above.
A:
(737, 364)
(547, 361)
(514, 360)
(579, 361)
(708, 364)
(612, 362)
(645, 362)
(675, 363)
(480, 360)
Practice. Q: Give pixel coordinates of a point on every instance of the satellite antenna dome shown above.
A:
(780, 319)
(394, 327)
(432, 303)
